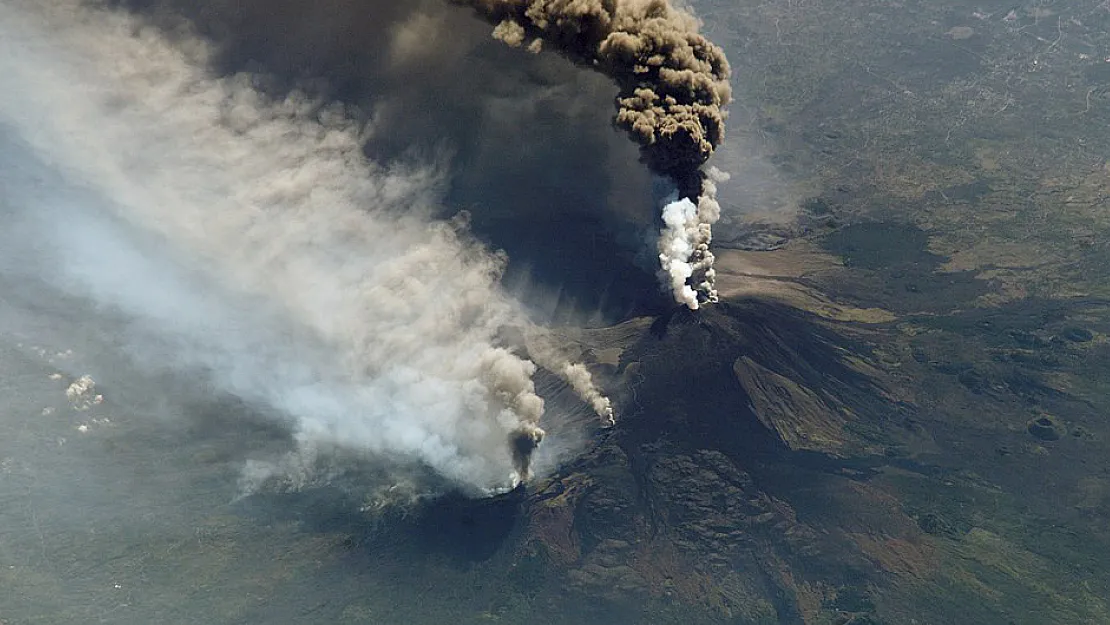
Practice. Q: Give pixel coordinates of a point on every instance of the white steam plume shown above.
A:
(579, 379)
(684, 254)
(253, 243)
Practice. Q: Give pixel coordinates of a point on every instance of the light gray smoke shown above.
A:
(251, 241)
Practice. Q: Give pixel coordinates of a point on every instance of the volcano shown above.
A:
(745, 438)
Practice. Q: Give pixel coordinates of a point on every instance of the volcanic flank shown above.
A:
(673, 87)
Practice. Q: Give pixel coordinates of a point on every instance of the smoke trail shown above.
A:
(673, 87)
(251, 241)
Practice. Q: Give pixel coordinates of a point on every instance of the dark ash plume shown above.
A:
(673, 86)
(673, 81)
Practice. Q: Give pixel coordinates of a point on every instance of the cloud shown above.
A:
(674, 85)
(251, 242)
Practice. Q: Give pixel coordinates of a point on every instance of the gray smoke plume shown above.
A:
(250, 243)
(673, 85)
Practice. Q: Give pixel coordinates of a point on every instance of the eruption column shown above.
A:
(673, 86)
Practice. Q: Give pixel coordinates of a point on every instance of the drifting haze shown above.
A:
(527, 140)
(252, 243)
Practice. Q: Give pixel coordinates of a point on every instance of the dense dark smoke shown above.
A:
(673, 84)
(673, 81)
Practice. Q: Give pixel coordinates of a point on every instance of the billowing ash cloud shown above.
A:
(251, 243)
(673, 85)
